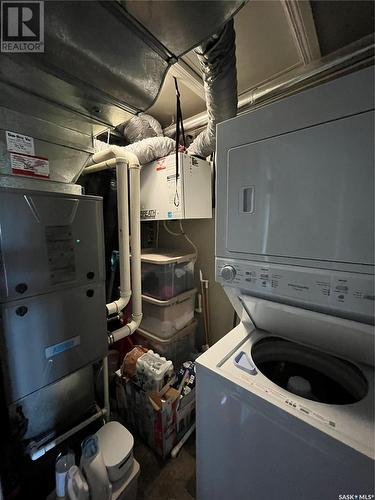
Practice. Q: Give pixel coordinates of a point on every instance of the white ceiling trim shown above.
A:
(244, 99)
(189, 77)
(302, 26)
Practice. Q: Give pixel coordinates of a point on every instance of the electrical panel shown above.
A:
(165, 198)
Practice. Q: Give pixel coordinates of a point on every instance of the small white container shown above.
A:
(177, 348)
(166, 273)
(163, 318)
(126, 489)
(116, 445)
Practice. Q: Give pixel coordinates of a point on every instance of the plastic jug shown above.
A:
(94, 470)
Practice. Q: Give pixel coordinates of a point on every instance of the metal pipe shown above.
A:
(36, 451)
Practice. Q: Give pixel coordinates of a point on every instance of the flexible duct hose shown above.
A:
(217, 57)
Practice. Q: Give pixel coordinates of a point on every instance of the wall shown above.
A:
(202, 232)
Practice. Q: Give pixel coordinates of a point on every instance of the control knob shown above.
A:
(228, 273)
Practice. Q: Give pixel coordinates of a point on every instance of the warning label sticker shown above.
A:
(18, 143)
(33, 166)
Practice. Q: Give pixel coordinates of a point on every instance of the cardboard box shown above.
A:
(157, 417)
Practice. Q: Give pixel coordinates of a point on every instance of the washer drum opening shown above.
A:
(309, 373)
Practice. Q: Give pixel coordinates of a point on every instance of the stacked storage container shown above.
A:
(168, 325)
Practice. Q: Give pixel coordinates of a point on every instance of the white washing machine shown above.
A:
(277, 419)
(285, 406)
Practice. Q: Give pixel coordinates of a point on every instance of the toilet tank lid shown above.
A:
(115, 443)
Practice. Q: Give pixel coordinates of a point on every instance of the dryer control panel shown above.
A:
(340, 293)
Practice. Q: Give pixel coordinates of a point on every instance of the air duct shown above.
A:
(147, 150)
(217, 58)
(141, 127)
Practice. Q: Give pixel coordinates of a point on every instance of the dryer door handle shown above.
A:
(243, 362)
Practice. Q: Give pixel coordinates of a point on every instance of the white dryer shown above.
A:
(285, 406)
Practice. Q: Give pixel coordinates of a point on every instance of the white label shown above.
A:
(33, 166)
(18, 143)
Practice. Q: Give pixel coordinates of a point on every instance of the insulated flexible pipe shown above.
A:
(217, 57)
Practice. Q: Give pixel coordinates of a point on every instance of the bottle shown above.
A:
(63, 463)
(76, 487)
(94, 470)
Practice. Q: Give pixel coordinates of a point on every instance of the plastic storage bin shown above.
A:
(166, 273)
(163, 318)
(177, 348)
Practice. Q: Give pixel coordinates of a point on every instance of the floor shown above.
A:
(171, 479)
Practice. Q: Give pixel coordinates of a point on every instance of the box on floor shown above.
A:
(161, 419)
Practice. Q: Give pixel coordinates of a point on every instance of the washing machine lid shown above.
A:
(352, 424)
(337, 336)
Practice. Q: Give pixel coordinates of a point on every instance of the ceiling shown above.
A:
(273, 38)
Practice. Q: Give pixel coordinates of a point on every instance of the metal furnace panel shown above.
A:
(49, 241)
(47, 337)
(56, 406)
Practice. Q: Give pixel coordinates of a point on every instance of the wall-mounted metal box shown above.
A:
(190, 198)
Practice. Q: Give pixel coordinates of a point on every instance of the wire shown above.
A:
(182, 233)
(188, 239)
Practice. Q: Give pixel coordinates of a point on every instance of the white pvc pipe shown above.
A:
(135, 227)
(123, 239)
(36, 452)
(101, 161)
(106, 389)
(175, 451)
(107, 159)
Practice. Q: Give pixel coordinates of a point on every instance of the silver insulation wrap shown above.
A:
(217, 57)
(147, 150)
(142, 127)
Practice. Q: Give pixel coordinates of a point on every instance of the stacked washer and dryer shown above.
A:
(285, 406)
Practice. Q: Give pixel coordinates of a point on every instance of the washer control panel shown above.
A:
(341, 293)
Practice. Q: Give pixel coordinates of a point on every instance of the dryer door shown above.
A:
(307, 194)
